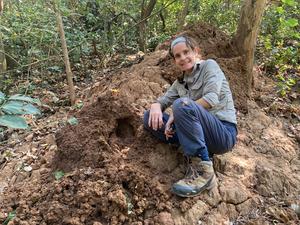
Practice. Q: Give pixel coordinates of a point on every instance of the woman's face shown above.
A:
(184, 57)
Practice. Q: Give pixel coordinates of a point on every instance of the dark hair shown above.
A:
(190, 42)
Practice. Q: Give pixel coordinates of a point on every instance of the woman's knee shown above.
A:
(179, 103)
(186, 105)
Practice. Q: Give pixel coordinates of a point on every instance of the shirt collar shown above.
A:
(189, 77)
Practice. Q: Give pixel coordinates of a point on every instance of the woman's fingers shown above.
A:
(168, 130)
(150, 120)
(160, 122)
(155, 117)
(169, 134)
(155, 121)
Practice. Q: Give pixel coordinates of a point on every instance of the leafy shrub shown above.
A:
(13, 107)
(278, 46)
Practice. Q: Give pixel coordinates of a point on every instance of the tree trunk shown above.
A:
(3, 65)
(2, 55)
(145, 12)
(1, 6)
(183, 14)
(245, 37)
(228, 4)
(65, 53)
(163, 27)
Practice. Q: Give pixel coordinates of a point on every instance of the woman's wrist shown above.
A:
(156, 104)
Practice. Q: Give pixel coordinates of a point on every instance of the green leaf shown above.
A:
(281, 78)
(24, 98)
(59, 174)
(10, 216)
(12, 121)
(292, 22)
(19, 108)
(79, 105)
(73, 121)
(280, 10)
(296, 35)
(2, 97)
(289, 2)
(283, 93)
(5, 28)
(291, 82)
(55, 69)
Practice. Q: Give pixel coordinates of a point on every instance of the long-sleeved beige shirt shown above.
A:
(206, 81)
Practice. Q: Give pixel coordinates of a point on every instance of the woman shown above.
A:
(203, 119)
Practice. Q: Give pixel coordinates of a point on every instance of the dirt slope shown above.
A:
(116, 173)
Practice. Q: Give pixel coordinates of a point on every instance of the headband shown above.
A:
(178, 40)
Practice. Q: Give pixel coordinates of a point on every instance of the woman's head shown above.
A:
(184, 51)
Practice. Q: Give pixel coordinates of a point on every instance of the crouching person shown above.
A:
(203, 118)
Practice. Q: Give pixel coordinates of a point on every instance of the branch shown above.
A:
(149, 8)
(30, 64)
(130, 28)
(10, 57)
(138, 23)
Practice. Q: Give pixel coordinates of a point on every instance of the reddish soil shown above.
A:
(116, 173)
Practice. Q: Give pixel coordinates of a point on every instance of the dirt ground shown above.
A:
(116, 173)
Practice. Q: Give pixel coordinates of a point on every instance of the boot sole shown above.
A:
(208, 186)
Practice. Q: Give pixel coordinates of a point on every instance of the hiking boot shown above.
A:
(199, 177)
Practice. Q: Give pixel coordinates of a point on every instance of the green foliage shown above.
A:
(156, 40)
(99, 27)
(103, 28)
(27, 29)
(10, 216)
(279, 44)
(285, 84)
(91, 27)
(73, 121)
(223, 14)
(11, 108)
(13, 121)
(59, 174)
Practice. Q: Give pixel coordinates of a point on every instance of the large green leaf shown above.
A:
(291, 22)
(24, 98)
(2, 97)
(19, 108)
(13, 122)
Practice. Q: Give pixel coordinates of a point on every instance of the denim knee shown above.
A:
(179, 103)
(185, 107)
(146, 119)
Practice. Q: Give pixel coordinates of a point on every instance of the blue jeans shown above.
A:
(196, 129)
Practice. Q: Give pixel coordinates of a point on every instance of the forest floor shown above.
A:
(105, 168)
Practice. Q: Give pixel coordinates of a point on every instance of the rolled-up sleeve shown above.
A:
(169, 97)
(213, 79)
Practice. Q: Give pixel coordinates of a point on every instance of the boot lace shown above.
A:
(192, 172)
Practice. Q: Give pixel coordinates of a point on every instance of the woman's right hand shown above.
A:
(155, 116)
(169, 132)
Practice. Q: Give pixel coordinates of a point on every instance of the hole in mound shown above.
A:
(124, 128)
(125, 185)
